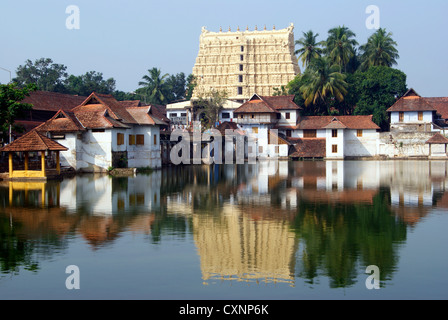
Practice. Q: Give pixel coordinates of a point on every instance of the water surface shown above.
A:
(288, 230)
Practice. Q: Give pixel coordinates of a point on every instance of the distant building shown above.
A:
(330, 137)
(419, 114)
(243, 63)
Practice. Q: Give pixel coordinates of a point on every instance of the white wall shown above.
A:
(148, 154)
(94, 151)
(339, 141)
(411, 117)
(364, 146)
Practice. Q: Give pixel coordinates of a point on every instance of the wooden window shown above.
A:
(334, 133)
(288, 133)
(359, 133)
(155, 139)
(279, 115)
(131, 139)
(255, 129)
(277, 149)
(401, 116)
(288, 115)
(252, 116)
(420, 116)
(120, 139)
(309, 133)
(140, 139)
(241, 116)
(334, 148)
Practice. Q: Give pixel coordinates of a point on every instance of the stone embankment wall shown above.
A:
(401, 144)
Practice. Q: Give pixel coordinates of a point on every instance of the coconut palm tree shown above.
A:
(340, 46)
(310, 48)
(322, 82)
(380, 50)
(154, 86)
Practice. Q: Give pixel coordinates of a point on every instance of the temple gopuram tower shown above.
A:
(245, 62)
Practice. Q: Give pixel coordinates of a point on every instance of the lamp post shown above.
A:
(10, 129)
(9, 73)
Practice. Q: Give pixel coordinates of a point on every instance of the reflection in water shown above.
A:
(269, 222)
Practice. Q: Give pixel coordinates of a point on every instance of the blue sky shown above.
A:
(123, 39)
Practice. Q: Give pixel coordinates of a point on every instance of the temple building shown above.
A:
(245, 62)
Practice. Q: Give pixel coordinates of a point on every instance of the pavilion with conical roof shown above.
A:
(35, 143)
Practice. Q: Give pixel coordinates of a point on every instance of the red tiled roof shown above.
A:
(33, 141)
(335, 124)
(142, 116)
(62, 121)
(228, 125)
(411, 103)
(160, 112)
(267, 104)
(350, 122)
(28, 125)
(440, 104)
(130, 103)
(437, 139)
(309, 148)
(282, 102)
(53, 101)
(100, 102)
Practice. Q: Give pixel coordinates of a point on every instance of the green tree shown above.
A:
(309, 47)
(45, 74)
(89, 82)
(210, 103)
(11, 107)
(154, 87)
(376, 90)
(191, 84)
(176, 86)
(322, 82)
(380, 50)
(340, 46)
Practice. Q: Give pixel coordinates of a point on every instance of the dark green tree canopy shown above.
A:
(11, 106)
(376, 90)
(89, 82)
(45, 74)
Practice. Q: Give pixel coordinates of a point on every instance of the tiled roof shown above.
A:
(131, 103)
(335, 124)
(53, 101)
(33, 141)
(440, 104)
(159, 112)
(228, 125)
(100, 102)
(309, 148)
(437, 139)
(323, 122)
(411, 103)
(267, 104)
(62, 121)
(282, 102)
(142, 116)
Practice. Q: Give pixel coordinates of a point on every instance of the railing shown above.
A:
(178, 120)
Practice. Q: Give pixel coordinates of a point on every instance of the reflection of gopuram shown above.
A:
(237, 246)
